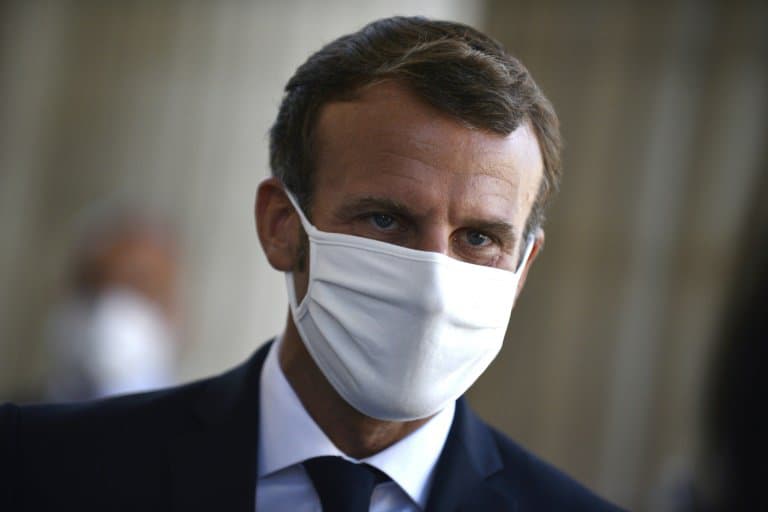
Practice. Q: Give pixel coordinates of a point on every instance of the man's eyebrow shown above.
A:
(370, 203)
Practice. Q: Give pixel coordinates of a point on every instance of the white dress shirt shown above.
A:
(288, 436)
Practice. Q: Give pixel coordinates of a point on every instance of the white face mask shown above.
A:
(399, 333)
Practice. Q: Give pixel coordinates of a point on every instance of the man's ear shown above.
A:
(538, 244)
(277, 225)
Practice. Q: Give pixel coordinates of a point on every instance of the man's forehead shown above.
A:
(393, 124)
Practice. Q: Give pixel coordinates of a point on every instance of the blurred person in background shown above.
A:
(113, 332)
(412, 162)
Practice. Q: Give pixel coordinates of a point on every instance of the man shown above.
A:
(411, 164)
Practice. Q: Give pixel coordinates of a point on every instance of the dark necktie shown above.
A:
(343, 486)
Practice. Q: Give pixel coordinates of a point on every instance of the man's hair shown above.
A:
(451, 66)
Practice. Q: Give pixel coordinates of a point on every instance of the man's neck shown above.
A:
(354, 433)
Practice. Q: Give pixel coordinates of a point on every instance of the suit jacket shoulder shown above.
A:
(545, 485)
(482, 469)
(190, 447)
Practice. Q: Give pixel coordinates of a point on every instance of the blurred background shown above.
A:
(133, 136)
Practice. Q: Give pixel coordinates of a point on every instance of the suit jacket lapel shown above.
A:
(214, 463)
(469, 458)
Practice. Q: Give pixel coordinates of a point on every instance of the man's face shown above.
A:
(390, 167)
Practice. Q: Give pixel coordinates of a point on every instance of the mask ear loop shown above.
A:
(527, 254)
(297, 309)
(308, 227)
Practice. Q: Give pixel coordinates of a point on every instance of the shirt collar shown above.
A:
(288, 435)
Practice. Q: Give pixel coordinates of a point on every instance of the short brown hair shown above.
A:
(451, 66)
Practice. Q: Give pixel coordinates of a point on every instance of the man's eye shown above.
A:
(382, 220)
(477, 239)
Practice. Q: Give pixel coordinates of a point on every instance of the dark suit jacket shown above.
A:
(193, 448)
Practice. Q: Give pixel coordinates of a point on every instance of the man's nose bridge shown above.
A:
(434, 238)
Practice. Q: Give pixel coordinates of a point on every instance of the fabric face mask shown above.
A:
(399, 333)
